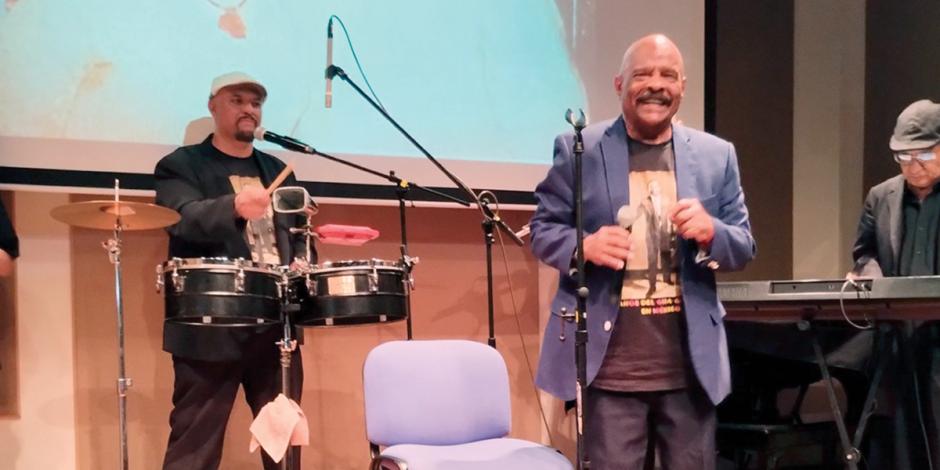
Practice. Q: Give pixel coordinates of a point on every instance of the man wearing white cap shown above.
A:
(218, 187)
(898, 236)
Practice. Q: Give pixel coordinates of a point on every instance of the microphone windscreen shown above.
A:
(626, 215)
(259, 132)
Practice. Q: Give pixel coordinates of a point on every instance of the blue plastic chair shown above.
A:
(444, 404)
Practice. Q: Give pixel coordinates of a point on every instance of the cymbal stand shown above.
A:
(113, 247)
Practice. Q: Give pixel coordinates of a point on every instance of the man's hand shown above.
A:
(610, 246)
(299, 265)
(692, 221)
(252, 202)
(6, 263)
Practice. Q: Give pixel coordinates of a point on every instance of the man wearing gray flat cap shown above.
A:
(898, 236)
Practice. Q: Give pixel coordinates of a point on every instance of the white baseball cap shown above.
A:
(237, 79)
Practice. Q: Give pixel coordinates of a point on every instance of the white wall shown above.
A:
(828, 126)
(43, 435)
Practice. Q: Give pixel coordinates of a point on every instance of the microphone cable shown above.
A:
(358, 66)
(515, 314)
(356, 58)
(859, 288)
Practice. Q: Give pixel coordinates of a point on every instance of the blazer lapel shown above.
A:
(616, 155)
(686, 163)
(686, 173)
(895, 212)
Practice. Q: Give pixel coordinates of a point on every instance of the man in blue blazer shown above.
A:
(657, 359)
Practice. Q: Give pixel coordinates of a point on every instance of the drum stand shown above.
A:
(287, 346)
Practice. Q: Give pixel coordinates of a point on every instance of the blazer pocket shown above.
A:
(718, 316)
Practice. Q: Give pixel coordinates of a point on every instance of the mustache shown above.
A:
(654, 97)
(250, 118)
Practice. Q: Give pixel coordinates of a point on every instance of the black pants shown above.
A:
(928, 354)
(917, 383)
(620, 425)
(203, 395)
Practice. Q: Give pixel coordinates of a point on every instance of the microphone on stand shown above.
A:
(288, 143)
(626, 216)
(329, 64)
(578, 121)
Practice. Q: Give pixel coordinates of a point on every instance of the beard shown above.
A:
(244, 136)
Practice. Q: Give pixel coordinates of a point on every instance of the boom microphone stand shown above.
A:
(490, 218)
(402, 187)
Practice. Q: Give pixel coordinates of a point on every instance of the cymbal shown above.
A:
(104, 215)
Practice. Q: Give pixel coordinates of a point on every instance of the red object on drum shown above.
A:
(353, 235)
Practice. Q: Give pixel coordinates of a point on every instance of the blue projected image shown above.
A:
(481, 80)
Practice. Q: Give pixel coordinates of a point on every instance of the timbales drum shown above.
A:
(349, 293)
(221, 291)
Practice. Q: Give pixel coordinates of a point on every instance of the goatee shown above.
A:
(244, 136)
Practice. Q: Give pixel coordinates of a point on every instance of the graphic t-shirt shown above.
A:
(259, 234)
(647, 349)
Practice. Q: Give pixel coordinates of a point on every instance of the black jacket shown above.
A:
(193, 182)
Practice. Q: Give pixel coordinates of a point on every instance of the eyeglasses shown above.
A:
(905, 158)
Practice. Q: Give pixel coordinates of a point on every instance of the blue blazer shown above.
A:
(706, 169)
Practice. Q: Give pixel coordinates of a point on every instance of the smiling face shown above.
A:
(650, 87)
(237, 113)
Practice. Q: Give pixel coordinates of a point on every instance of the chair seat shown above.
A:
(489, 454)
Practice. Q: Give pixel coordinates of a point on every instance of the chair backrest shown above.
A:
(439, 392)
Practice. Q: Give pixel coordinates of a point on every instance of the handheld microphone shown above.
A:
(626, 216)
(329, 63)
(289, 143)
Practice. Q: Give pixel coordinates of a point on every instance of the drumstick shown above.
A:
(281, 177)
